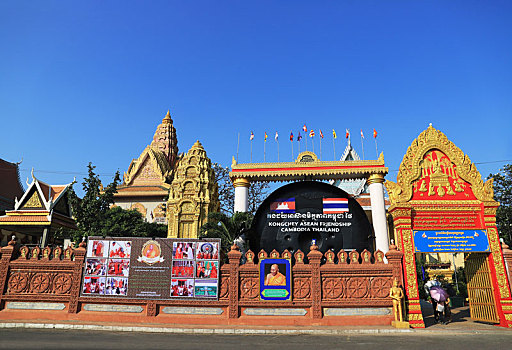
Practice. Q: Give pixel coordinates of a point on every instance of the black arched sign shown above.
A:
(296, 214)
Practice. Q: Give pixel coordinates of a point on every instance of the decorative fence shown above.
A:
(328, 282)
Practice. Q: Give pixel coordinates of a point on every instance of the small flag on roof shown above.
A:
(335, 205)
(252, 136)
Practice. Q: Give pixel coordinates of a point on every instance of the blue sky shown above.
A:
(89, 81)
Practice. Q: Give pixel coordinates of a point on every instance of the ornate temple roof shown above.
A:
(307, 165)
(41, 204)
(151, 173)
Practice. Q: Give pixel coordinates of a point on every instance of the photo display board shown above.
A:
(162, 268)
(275, 279)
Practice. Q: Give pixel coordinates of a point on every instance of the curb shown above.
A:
(239, 331)
(222, 331)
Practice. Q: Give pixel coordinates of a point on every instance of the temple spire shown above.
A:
(165, 139)
(167, 119)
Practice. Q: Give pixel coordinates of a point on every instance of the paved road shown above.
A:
(56, 339)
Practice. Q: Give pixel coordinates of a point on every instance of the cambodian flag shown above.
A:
(283, 206)
(335, 205)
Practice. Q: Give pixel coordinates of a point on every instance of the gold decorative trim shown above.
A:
(313, 167)
(410, 168)
(241, 182)
(375, 179)
(410, 266)
(24, 223)
(501, 274)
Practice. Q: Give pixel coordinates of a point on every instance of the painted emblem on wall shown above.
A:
(151, 253)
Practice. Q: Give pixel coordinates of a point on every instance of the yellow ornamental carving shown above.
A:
(413, 169)
(34, 201)
(193, 194)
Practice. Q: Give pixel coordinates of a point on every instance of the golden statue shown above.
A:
(397, 295)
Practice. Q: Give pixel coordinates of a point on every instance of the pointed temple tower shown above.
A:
(160, 174)
(146, 183)
(193, 194)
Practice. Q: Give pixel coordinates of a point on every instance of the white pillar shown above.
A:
(380, 224)
(241, 194)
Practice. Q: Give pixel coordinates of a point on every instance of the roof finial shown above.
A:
(429, 124)
(167, 119)
(32, 173)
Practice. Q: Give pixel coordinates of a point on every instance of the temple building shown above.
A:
(193, 194)
(40, 212)
(146, 184)
(170, 188)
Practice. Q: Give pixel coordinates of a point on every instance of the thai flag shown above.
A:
(283, 206)
(335, 205)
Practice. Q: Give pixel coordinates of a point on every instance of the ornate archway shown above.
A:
(439, 189)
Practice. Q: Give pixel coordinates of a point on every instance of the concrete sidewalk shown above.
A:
(454, 328)
(461, 324)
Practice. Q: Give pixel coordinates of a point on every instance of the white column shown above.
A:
(241, 194)
(380, 224)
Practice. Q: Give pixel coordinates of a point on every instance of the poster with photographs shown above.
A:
(206, 288)
(207, 250)
(183, 268)
(207, 269)
(120, 249)
(116, 286)
(183, 250)
(182, 287)
(118, 267)
(107, 267)
(95, 267)
(151, 268)
(94, 286)
(97, 248)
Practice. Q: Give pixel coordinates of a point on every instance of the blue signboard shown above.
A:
(275, 279)
(451, 241)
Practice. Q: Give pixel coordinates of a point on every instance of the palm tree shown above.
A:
(225, 227)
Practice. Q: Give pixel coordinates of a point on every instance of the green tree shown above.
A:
(130, 223)
(225, 227)
(90, 212)
(503, 194)
(257, 191)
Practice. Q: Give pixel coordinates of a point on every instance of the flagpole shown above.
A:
(306, 137)
(320, 148)
(251, 151)
(334, 148)
(277, 151)
(362, 146)
(237, 147)
(376, 150)
(313, 144)
(292, 144)
(264, 150)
